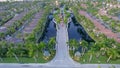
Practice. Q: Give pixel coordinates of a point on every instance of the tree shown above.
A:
(96, 47)
(21, 50)
(31, 37)
(2, 35)
(42, 46)
(32, 50)
(51, 43)
(91, 53)
(93, 50)
(103, 47)
(112, 53)
(84, 45)
(73, 44)
(2, 49)
(11, 51)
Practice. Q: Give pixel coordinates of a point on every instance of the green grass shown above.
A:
(114, 11)
(101, 60)
(41, 59)
(23, 60)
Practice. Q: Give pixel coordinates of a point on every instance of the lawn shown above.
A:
(23, 60)
(41, 59)
(101, 60)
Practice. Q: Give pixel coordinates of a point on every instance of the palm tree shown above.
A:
(112, 53)
(42, 46)
(84, 45)
(31, 37)
(11, 51)
(11, 30)
(103, 47)
(20, 50)
(51, 44)
(91, 53)
(96, 47)
(32, 48)
(1, 51)
(36, 52)
(73, 44)
(2, 35)
(105, 44)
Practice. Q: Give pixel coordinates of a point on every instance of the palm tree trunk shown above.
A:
(37, 53)
(82, 51)
(35, 59)
(98, 54)
(104, 53)
(1, 59)
(90, 58)
(16, 57)
(109, 58)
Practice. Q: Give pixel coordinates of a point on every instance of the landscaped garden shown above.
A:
(31, 49)
(104, 50)
(28, 32)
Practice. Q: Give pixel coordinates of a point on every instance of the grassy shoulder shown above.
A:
(95, 60)
(40, 59)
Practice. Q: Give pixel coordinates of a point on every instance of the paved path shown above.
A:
(62, 57)
(101, 28)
